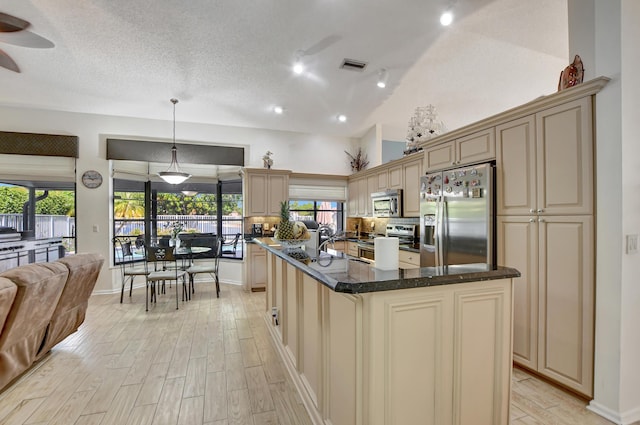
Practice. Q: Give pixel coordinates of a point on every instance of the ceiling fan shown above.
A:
(13, 31)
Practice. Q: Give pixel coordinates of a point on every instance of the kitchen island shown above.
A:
(406, 346)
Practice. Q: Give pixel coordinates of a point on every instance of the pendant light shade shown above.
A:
(173, 175)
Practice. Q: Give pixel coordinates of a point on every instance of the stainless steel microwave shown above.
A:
(387, 204)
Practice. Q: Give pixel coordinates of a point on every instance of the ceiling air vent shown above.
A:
(353, 65)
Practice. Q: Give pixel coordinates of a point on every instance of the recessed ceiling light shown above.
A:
(298, 64)
(382, 78)
(278, 110)
(342, 118)
(446, 18)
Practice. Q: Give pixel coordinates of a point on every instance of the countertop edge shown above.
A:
(425, 279)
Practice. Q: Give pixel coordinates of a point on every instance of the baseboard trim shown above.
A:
(315, 416)
(625, 418)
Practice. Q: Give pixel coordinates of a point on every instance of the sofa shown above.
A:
(40, 305)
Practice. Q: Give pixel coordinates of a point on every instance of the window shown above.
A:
(330, 213)
(53, 215)
(204, 209)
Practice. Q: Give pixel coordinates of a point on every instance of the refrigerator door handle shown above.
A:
(437, 233)
(443, 222)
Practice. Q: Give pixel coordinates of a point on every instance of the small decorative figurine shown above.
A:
(572, 75)
(266, 159)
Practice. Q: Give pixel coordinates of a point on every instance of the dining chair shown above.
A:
(212, 269)
(129, 268)
(161, 265)
(232, 243)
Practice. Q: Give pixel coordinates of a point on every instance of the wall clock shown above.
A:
(92, 179)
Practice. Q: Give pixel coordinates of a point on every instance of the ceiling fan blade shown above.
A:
(7, 62)
(10, 23)
(26, 39)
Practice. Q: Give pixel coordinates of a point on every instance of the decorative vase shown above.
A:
(175, 242)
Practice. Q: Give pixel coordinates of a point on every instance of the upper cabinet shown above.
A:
(402, 174)
(264, 190)
(545, 162)
(476, 147)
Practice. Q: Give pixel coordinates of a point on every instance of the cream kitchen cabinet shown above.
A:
(256, 268)
(409, 259)
(352, 203)
(545, 162)
(411, 173)
(363, 197)
(352, 248)
(554, 297)
(476, 147)
(389, 177)
(264, 190)
(359, 196)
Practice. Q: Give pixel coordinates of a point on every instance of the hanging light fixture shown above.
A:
(173, 174)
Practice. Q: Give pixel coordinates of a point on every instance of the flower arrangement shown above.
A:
(175, 228)
(358, 161)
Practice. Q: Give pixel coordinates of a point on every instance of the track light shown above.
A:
(173, 174)
(382, 78)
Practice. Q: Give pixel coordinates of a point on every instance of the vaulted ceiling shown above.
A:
(229, 62)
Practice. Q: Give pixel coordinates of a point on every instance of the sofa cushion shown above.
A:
(39, 287)
(72, 305)
(8, 292)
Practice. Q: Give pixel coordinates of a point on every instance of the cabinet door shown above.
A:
(440, 156)
(257, 268)
(565, 159)
(566, 307)
(412, 172)
(257, 194)
(395, 177)
(516, 167)
(363, 197)
(383, 180)
(352, 204)
(409, 259)
(480, 146)
(278, 190)
(352, 249)
(518, 248)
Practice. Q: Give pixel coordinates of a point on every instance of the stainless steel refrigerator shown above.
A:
(457, 216)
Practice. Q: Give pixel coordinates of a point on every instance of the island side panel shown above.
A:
(342, 325)
(410, 356)
(482, 352)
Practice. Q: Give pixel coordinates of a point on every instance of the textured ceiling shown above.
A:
(228, 61)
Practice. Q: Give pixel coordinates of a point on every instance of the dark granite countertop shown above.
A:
(347, 274)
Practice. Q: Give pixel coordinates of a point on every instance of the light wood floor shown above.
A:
(211, 362)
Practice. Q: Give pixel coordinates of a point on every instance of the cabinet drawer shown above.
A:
(409, 257)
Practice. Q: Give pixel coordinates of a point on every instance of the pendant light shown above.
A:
(173, 174)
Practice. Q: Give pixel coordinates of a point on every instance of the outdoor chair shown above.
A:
(232, 244)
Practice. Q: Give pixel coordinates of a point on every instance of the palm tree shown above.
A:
(128, 205)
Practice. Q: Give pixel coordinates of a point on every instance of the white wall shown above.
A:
(630, 308)
(510, 66)
(605, 34)
(306, 153)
